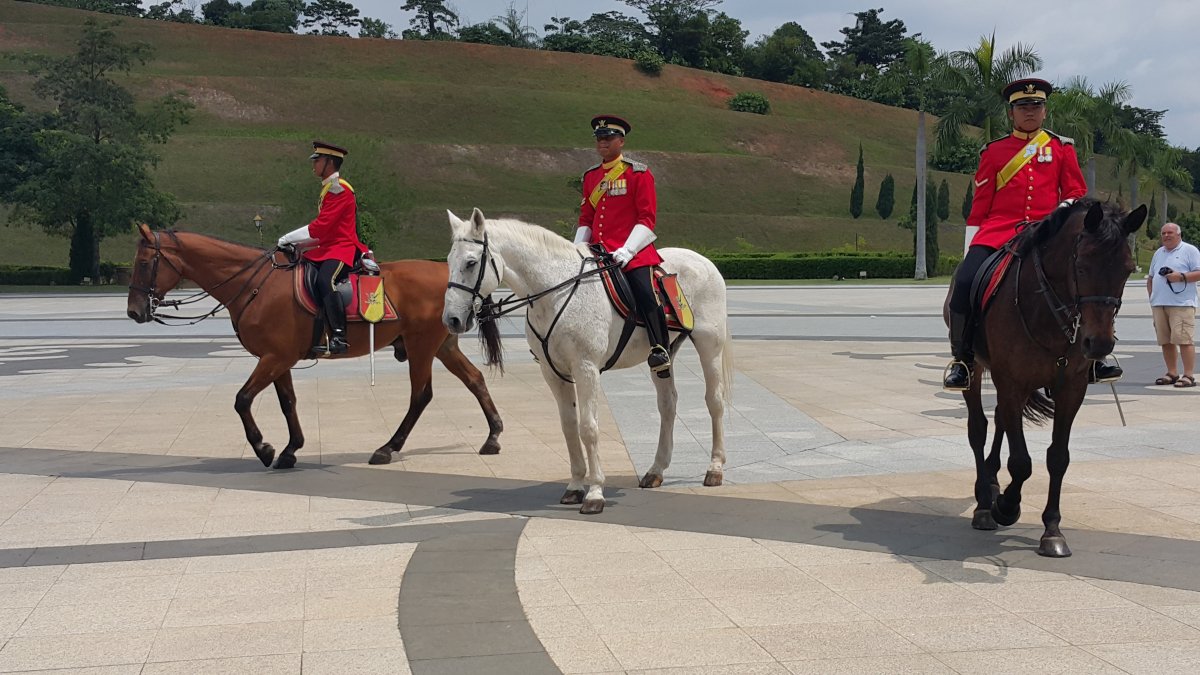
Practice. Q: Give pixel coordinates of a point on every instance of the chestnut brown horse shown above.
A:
(256, 287)
(1052, 315)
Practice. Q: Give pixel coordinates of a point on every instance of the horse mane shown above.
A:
(175, 235)
(531, 235)
(1109, 232)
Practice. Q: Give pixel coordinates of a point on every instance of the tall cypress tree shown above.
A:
(967, 199)
(856, 195)
(887, 197)
(943, 201)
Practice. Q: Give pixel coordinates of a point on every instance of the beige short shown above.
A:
(1174, 325)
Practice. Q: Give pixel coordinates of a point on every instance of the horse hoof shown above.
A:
(650, 480)
(1003, 518)
(982, 520)
(490, 448)
(572, 497)
(381, 456)
(713, 478)
(266, 454)
(1054, 547)
(286, 461)
(592, 507)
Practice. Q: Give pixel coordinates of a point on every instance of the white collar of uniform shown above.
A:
(332, 179)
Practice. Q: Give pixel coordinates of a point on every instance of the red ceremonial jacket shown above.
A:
(335, 225)
(1051, 175)
(629, 201)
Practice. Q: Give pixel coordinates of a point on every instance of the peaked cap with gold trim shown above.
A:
(1027, 89)
(328, 149)
(609, 125)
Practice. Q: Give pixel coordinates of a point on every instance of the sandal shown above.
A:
(1167, 379)
(1186, 381)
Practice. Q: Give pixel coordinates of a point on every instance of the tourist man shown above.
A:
(1171, 285)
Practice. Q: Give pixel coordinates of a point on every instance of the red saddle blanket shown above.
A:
(670, 294)
(991, 274)
(359, 293)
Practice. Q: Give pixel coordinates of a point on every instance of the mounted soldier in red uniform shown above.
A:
(331, 239)
(1021, 178)
(619, 209)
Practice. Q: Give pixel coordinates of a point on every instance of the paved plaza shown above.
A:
(140, 534)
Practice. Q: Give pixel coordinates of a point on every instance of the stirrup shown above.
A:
(663, 367)
(946, 375)
(1111, 374)
(338, 345)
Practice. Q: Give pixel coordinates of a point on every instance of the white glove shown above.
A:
(297, 236)
(623, 256)
(1066, 202)
(638, 239)
(583, 234)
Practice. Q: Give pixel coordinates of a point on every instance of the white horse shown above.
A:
(531, 260)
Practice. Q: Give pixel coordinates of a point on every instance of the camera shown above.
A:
(1164, 271)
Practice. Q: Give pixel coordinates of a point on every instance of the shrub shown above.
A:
(822, 265)
(750, 102)
(649, 61)
(26, 275)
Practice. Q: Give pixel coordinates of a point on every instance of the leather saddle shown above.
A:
(988, 279)
(666, 286)
(355, 293)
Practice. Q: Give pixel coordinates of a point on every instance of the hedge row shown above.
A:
(27, 275)
(823, 266)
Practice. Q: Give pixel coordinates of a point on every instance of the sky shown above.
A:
(1149, 44)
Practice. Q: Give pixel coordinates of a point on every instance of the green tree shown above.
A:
(968, 200)
(691, 33)
(887, 197)
(486, 34)
(943, 202)
(1166, 169)
(94, 173)
(513, 22)
(18, 146)
(788, 55)
(331, 17)
(856, 194)
(868, 48)
(376, 28)
(974, 79)
(171, 10)
(433, 21)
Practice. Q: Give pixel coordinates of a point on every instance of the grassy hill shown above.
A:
(434, 126)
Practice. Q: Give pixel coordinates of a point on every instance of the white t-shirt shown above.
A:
(1184, 258)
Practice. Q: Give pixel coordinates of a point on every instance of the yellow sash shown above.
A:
(1022, 158)
(602, 187)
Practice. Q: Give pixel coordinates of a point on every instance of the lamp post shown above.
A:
(258, 221)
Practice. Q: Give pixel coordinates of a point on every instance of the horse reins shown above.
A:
(490, 311)
(1067, 317)
(157, 302)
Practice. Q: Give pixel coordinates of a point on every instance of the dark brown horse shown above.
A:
(256, 287)
(1054, 312)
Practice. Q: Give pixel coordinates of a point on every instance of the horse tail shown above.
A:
(1038, 408)
(727, 368)
(489, 340)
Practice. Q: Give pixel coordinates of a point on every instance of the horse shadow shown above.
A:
(892, 526)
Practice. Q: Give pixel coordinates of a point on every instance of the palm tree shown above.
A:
(976, 77)
(1166, 168)
(922, 64)
(513, 22)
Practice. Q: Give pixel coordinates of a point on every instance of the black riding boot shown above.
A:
(660, 356)
(958, 373)
(1101, 372)
(335, 316)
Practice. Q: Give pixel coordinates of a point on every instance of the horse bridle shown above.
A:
(157, 300)
(1067, 317)
(483, 309)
